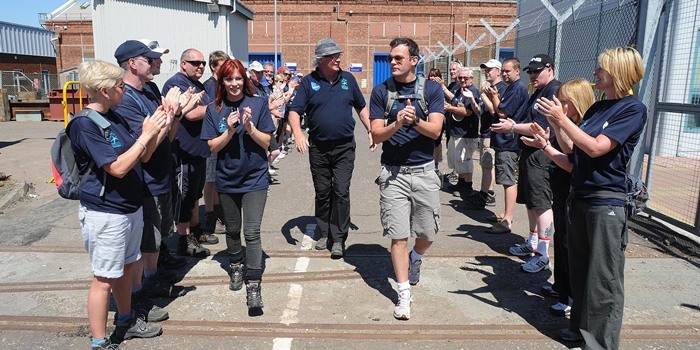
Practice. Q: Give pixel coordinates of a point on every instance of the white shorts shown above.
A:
(111, 240)
(460, 151)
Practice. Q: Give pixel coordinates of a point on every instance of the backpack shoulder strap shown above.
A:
(391, 96)
(132, 93)
(420, 95)
(98, 119)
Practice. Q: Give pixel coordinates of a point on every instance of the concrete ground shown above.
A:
(472, 294)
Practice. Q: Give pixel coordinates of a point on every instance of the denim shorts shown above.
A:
(111, 240)
(409, 201)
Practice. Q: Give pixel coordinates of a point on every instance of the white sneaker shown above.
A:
(524, 249)
(272, 171)
(281, 155)
(536, 264)
(402, 311)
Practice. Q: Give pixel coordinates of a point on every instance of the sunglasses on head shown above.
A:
(197, 63)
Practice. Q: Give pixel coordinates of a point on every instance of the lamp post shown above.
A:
(275, 22)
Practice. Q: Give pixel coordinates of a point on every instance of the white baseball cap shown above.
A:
(153, 45)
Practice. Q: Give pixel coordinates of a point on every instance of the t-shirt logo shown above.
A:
(114, 140)
(223, 125)
(344, 84)
(605, 125)
(315, 86)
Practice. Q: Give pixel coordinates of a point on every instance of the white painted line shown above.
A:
(289, 315)
(282, 343)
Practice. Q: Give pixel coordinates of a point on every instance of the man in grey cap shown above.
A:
(327, 96)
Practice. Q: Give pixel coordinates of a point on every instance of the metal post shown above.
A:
(503, 34)
(275, 23)
(560, 18)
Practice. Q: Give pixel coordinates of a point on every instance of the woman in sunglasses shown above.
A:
(603, 145)
(238, 127)
(111, 219)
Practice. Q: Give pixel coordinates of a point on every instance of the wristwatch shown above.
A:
(416, 121)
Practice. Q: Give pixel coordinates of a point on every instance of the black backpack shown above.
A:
(418, 94)
(65, 170)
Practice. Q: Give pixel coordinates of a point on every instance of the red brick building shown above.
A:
(72, 23)
(364, 28)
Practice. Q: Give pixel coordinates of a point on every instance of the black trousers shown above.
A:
(560, 181)
(332, 163)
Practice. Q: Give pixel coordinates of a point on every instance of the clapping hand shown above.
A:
(152, 124)
(233, 120)
(552, 109)
(407, 114)
(503, 126)
(539, 138)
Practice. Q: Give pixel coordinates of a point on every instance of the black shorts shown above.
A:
(506, 163)
(533, 186)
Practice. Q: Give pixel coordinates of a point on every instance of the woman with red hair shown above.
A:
(238, 128)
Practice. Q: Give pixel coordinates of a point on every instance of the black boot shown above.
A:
(253, 296)
(188, 246)
(167, 261)
(203, 237)
(236, 276)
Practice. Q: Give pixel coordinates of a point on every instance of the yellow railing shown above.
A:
(65, 100)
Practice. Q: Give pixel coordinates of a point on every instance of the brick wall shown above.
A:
(372, 25)
(27, 64)
(75, 42)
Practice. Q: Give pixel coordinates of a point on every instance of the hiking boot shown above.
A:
(144, 307)
(202, 236)
(337, 251)
(569, 335)
(134, 327)
(321, 244)
(188, 246)
(105, 345)
(524, 249)
(414, 271)
(548, 291)
(236, 276)
(167, 261)
(536, 264)
(253, 296)
(560, 309)
(402, 311)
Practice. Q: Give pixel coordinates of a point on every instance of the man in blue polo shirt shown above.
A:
(408, 185)
(505, 105)
(191, 153)
(327, 96)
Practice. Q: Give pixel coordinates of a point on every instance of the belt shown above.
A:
(410, 169)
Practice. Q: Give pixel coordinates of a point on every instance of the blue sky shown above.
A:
(27, 11)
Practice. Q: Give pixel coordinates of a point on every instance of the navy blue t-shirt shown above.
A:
(210, 88)
(511, 100)
(620, 120)
(157, 172)
(262, 90)
(241, 166)
(528, 113)
(468, 126)
(328, 105)
(188, 133)
(486, 118)
(121, 196)
(407, 146)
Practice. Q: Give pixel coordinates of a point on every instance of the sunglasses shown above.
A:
(397, 58)
(535, 71)
(333, 56)
(288, 74)
(465, 78)
(147, 59)
(121, 86)
(197, 63)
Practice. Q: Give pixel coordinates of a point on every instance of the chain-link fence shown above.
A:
(669, 157)
(16, 82)
(674, 152)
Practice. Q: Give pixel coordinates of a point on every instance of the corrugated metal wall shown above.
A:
(176, 24)
(24, 40)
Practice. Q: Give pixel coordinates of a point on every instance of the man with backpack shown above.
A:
(408, 185)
